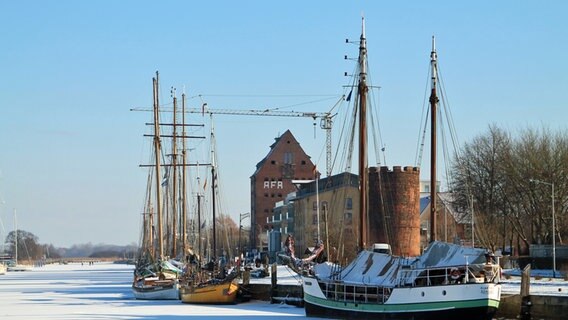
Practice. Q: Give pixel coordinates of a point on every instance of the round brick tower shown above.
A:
(394, 208)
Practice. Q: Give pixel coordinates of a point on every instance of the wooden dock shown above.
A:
(274, 292)
(535, 307)
(526, 306)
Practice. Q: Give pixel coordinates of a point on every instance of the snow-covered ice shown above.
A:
(102, 291)
(542, 282)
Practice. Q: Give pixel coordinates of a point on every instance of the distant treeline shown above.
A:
(29, 248)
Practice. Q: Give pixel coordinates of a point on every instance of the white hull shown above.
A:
(404, 302)
(156, 291)
(20, 267)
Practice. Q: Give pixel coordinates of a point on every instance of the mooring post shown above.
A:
(246, 276)
(274, 282)
(274, 276)
(525, 293)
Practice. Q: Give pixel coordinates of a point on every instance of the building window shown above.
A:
(303, 162)
(348, 218)
(324, 205)
(315, 206)
(279, 195)
(315, 219)
(348, 203)
(288, 157)
(266, 195)
(272, 162)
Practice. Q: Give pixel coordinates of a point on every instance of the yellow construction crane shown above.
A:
(326, 122)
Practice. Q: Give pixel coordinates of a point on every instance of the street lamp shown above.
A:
(553, 226)
(241, 217)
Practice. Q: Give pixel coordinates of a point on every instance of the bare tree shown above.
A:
(497, 169)
(28, 246)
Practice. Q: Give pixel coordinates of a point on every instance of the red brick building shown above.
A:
(272, 181)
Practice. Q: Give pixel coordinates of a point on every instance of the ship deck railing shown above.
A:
(340, 291)
(456, 274)
(343, 292)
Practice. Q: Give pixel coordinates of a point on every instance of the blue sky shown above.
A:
(71, 71)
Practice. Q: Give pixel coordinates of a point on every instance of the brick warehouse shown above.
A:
(272, 181)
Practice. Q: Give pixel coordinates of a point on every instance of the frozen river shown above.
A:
(102, 291)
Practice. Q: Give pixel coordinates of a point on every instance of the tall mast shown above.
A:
(174, 175)
(213, 183)
(433, 106)
(362, 91)
(184, 191)
(157, 161)
(199, 253)
(149, 219)
(15, 239)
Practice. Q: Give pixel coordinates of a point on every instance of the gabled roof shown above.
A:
(424, 203)
(447, 199)
(286, 136)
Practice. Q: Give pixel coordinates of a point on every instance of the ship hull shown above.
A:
(20, 268)
(164, 290)
(217, 293)
(458, 301)
(313, 310)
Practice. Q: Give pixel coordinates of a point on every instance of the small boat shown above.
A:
(153, 288)
(213, 291)
(3, 269)
(162, 285)
(19, 268)
(14, 266)
(447, 281)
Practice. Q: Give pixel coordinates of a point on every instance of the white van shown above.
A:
(382, 248)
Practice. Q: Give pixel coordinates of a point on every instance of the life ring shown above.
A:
(455, 274)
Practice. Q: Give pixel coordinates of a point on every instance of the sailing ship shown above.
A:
(446, 282)
(210, 283)
(14, 265)
(155, 278)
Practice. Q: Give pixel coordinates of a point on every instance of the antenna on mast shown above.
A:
(362, 25)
